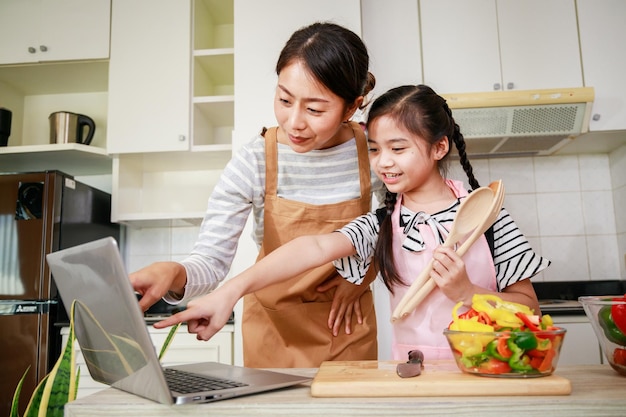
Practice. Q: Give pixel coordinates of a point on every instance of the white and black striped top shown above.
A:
(514, 258)
(317, 177)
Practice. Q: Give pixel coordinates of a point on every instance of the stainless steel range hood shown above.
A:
(521, 123)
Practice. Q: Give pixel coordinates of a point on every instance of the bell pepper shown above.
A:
(619, 356)
(500, 311)
(525, 340)
(492, 350)
(611, 331)
(518, 361)
(618, 312)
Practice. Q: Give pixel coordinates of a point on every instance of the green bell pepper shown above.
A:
(611, 331)
(518, 361)
(492, 350)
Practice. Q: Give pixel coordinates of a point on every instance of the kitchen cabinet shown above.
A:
(171, 107)
(580, 346)
(184, 349)
(485, 45)
(54, 30)
(213, 75)
(383, 25)
(601, 27)
(149, 76)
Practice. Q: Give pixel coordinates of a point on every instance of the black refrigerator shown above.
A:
(40, 212)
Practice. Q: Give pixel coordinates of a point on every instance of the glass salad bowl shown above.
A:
(607, 315)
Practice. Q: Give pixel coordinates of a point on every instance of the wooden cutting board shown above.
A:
(438, 378)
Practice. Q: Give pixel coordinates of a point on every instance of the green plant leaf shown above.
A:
(168, 340)
(32, 410)
(16, 395)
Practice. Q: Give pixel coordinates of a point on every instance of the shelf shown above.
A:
(71, 158)
(162, 187)
(57, 78)
(214, 74)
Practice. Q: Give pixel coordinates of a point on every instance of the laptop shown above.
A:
(112, 333)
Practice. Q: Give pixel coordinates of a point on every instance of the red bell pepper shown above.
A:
(619, 356)
(618, 311)
(527, 322)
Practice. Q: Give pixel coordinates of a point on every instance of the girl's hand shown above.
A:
(205, 316)
(450, 275)
(345, 303)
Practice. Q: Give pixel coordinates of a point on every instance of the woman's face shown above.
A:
(309, 114)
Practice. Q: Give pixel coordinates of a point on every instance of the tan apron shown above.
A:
(285, 325)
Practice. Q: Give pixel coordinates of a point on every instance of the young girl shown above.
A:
(411, 131)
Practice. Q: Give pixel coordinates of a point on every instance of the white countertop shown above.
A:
(596, 390)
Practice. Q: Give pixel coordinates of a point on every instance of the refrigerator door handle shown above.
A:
(13, 307)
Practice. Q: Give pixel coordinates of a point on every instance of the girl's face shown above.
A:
(309, 114)
(405, 162)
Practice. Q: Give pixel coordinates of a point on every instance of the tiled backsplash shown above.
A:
(566, 205)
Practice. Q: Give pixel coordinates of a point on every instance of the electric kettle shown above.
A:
(68, 127)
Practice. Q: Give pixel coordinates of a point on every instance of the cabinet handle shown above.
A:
(31, 50)
(510, 86)
(496, 86)
(43, 48)
(595, 117)
(182, 138)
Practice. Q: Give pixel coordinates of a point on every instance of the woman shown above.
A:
(310, 174)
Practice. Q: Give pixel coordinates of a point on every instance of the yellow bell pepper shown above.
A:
(469, 344)
(500, 311)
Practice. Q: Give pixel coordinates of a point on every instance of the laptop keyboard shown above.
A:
(187, 382)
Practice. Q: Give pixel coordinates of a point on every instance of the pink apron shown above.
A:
(423, 328)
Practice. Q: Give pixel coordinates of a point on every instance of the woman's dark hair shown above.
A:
(336, 56)
(421, 111)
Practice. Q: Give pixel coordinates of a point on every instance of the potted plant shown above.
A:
(60, 386)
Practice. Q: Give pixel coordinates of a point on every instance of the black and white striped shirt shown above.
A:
(513, 256)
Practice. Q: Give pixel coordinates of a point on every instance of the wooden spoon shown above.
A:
(428, 285)
(470, 215)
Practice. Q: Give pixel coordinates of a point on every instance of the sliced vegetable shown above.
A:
(618, 312)
(519, 340)
(611, 331)
(619, 356)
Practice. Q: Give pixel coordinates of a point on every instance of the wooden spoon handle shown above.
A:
(420, 281)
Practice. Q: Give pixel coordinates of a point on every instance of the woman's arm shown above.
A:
(205, 316)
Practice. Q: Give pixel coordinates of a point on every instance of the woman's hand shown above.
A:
(345, 303)
(155, 280)
(205, 316)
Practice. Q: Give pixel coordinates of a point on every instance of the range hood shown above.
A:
(521, 123)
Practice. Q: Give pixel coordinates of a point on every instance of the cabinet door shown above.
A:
(384, 23)
(602, 31)
(74, 29)
(460, 45)
(485, 45)
(19, 22)
(54, 30)
(149, 76)
(539, 44)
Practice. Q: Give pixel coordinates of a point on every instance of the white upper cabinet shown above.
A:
(385, 24)
(602, 36)
(54, 30)
(149, 76)
(487, 45)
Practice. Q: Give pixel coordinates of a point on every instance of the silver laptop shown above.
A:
(115, 342)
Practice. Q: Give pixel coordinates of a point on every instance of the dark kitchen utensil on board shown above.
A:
(68, 127)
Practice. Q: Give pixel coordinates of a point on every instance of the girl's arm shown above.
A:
(206, 315)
